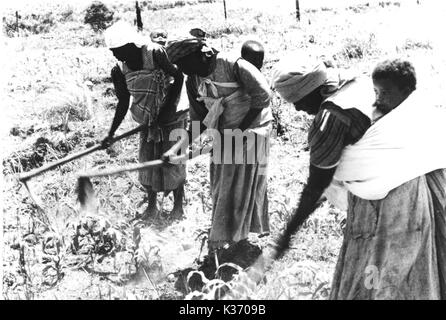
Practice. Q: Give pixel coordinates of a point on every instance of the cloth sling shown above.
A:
(147, 88)
(406, 143)
(215, 104)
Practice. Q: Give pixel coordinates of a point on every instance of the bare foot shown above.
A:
(150, 212)
(178, 195)
(177, 213)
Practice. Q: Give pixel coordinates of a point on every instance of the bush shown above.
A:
(98, 16)
(29, 24)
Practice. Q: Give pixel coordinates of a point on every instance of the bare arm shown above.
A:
(123, 96)
(327, 138)
(318, 181)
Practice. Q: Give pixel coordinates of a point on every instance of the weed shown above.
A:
(53, 254)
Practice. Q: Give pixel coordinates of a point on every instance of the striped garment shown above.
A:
(331, 131)
(165, 178)
(148, 87)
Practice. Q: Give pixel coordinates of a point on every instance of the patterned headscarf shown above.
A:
(180, 48)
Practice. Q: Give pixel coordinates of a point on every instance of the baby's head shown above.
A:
(159, 36)
(394, 80)
(253, 52)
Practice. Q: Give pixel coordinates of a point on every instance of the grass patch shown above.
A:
(69, 102)
(413, 44)
(358, 48)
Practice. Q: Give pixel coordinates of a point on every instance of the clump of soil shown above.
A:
(30, 158)
(22, 132)
(43, 150)
(241, 255)
(26, 131)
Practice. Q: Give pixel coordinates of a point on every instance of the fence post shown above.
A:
(138, 17)
(17, 21)
(297, 10)
(224, 6)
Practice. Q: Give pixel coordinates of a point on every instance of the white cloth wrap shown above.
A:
(406, 143)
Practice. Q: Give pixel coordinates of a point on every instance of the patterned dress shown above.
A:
(148, 88)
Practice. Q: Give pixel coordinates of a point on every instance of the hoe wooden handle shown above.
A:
(30, 174)
(143, 165)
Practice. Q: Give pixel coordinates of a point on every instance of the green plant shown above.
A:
(53, 253)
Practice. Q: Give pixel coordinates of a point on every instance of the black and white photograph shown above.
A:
(253, 151)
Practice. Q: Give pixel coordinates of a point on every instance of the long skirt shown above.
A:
(395, 248)
(165, 178)
(239, 192)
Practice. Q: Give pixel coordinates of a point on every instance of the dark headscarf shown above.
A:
(178, 49)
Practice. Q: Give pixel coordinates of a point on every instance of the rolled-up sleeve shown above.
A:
(254, 83)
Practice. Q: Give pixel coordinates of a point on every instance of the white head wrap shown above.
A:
(121, 33)
(296, 76)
